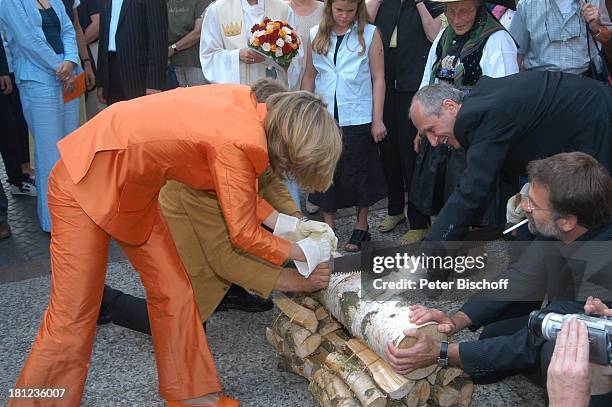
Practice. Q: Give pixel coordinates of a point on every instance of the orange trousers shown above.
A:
(60, 355)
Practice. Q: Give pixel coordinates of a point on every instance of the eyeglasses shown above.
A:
(461, 13)
(557, 31)
(532, 208)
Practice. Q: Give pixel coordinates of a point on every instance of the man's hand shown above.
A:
(64, 71)
(590, 14)
(151, 91)
(568, 373)
(378, 130)
(417, 143)
(597, 307)
(248, 56)
(420, 315)
(425, 352)
(90, 77)
(6, 85)
(100, 94)
(319, 279)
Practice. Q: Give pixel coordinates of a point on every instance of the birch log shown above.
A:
(296, 313)
(300, 340)
(335, 389)
(375, 323)
(395, 385)
(358, 381)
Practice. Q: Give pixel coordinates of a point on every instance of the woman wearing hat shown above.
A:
(474, 44)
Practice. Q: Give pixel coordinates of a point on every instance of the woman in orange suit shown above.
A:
(214, 138)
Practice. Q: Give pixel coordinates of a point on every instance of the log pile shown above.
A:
(336, 341)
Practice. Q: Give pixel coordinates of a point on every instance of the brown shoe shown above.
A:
(5, 230)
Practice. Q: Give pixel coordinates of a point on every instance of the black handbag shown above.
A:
(428, 178)
(602, 75)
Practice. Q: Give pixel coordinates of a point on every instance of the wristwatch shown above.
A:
(443, 357)
(174, 48)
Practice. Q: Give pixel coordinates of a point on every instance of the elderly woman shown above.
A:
(474, 44)
(106, 186)
(42, 40)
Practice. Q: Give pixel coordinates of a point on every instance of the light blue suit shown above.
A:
(34, 64)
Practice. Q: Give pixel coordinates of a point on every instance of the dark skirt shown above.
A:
(359, 179)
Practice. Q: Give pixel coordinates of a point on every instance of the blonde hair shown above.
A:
(322, 40)
(263, 88)
(304, 140)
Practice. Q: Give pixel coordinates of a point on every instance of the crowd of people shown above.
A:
(447, 108)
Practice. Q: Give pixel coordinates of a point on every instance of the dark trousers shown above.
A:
(3, 205)
(115, 92)
(398, 156)
(14, 138)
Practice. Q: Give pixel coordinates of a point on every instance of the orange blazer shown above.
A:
(207, 137)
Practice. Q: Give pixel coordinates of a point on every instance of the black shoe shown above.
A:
(105, 317)
(239, 299)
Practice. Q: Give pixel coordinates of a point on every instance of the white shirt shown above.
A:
(114, 22)
(349, 79)
(498, 57)
(218, 64)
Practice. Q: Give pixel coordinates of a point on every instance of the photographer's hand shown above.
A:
(596, 306)
(568, 373)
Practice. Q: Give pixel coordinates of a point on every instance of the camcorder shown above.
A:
(547, 324)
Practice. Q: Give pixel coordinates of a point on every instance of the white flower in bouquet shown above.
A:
(266, 47)
(278, 52)
(280, 42)
(288, 39)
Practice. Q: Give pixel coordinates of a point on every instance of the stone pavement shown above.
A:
(122, 370)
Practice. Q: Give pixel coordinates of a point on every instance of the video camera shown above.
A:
(547, 324)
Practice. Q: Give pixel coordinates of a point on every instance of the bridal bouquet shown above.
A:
(276, 41)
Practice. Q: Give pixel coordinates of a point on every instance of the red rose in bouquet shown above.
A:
(275, 39)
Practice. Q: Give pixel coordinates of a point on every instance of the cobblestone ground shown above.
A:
(122, 370)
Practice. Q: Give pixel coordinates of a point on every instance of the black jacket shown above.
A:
(587, 270)
(142, 46)
(505, 123)
(404, 65)
(4, 70)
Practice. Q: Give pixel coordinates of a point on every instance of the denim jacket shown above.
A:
(33, 57)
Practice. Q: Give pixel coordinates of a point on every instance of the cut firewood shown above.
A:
(312, 304)
(333, 342)
(300, 340)
(445, 396)
(337, 391)
(328, 325)
(314, 362)
(321, 399)
(358, 381)
(374, 323)
(275, 340)
(466, 390)
(289, 362)
(447, 375)
(298, 314)
(419, 395)
(432, 378)
(395, 385)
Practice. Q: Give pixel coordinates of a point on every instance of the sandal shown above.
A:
(413, 236)
(357, 237)
(390, 222)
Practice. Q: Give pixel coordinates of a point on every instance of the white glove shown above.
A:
(285, 226)
(316, 230)
(316, 252)
(514, 209)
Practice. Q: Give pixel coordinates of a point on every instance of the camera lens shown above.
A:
(535, 322)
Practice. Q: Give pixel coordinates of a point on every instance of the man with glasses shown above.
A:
(569, 204)
(503, 124)
(552, 34)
